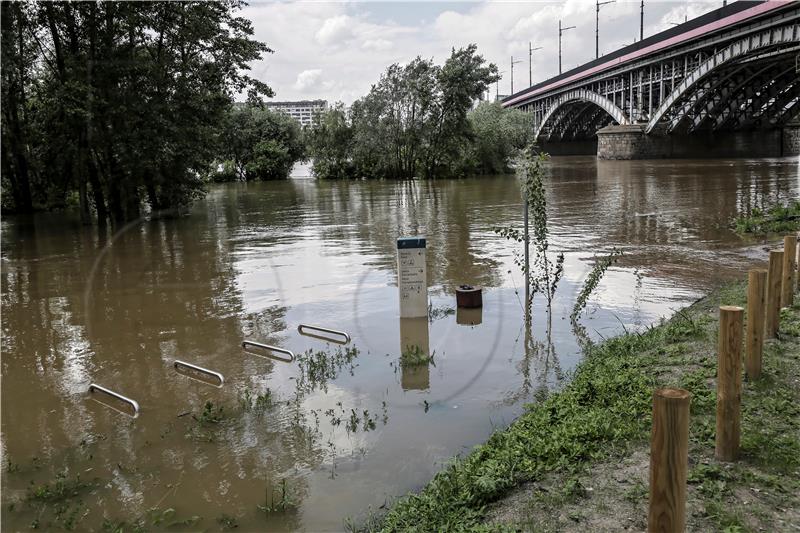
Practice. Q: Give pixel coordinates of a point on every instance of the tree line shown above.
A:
(419, 120)
(114, 105)
(120, 107)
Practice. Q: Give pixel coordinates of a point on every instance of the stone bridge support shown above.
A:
(631, 142)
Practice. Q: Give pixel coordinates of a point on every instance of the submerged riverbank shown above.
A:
(579, 459)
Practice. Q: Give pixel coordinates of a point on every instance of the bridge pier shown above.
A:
(630, 142)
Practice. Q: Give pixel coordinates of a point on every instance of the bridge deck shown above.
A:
(700, 27)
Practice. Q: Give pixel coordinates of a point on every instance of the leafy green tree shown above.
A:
(257, 144)
(412, 123)
(499, 135)
(329, 142)
(122, 100)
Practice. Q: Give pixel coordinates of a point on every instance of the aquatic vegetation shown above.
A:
(593, 280)
(211, 414)
(366, 421)
(317, 367)
(258, 403)
(606, 409)
(227, 522)
(59, 501)
(60, 489)
(435, 313)
(776, 219)
(283, 503)
(415, 356)
(545, 269)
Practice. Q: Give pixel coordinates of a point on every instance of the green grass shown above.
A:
(606, 408)
(776, 219)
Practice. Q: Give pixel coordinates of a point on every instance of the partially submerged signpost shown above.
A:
(412, 277)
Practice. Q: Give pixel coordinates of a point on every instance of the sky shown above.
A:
(335, 51)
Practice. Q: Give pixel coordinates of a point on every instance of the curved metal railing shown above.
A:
(345, 336)
(133, 403)
(268, 348)
(183, 364)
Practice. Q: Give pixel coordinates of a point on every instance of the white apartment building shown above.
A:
(303, 111)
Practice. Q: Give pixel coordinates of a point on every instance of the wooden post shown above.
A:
(774, 280)
(787, 285)
(669, 457)
(729, 382)
(756, 302)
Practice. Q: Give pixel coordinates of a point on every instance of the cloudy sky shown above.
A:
(336, 50)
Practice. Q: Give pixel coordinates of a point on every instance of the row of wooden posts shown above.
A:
(767, 292)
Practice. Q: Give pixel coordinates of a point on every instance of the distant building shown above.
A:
(303, 111)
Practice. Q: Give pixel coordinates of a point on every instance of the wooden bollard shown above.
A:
(797, 263)
(756, 302)
(669, 458)
(729, 382)
(787, 284)
(774, 281)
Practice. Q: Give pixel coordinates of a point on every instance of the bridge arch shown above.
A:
(583, 95)
(743, 47)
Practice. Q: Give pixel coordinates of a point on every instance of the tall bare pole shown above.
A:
(561, 30)
(530, 62)
(512, 72)
(598, 3)
(497, 85)
(641, 23)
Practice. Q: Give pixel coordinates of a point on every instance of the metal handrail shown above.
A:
(343, 334)
(269, 348)
(177, 364)
(94, 386)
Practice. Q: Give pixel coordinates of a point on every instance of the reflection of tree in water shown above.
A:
(265, 325)
(451, 214)
(539, 365)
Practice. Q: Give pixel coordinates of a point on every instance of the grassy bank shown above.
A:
(775, 219)
(579, 458)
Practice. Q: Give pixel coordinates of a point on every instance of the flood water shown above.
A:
(347, 428)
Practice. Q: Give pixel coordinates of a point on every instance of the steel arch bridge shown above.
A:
(734, 68)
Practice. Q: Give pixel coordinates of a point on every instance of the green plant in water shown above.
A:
(257, 404)
(435, 313)
(593, 280)
(775, 219)
(211, 414)
(227, 521)
(60, 489)
(320, 366)
(545, 270)
(283, 503)
(415, 356)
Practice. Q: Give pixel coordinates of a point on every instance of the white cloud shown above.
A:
(376, 44)
(335, 31)
(308, 79)
(354, 42)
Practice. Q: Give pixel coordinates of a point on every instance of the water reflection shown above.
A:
(339, 430)
(415, 346)
(469, 316)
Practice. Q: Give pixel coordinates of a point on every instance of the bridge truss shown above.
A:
(744, 76)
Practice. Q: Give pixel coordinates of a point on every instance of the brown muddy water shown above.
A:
(344, 430)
